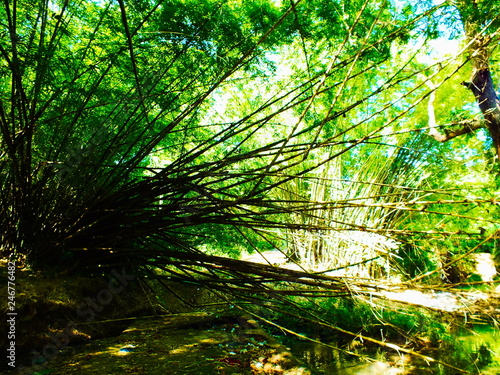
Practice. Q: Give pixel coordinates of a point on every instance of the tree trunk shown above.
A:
(482, 88)
(480, 44)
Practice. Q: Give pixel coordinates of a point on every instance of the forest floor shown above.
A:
(195, 343)
(74, 325)
(58, 331)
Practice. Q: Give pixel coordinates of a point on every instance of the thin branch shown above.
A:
(131, 52)
(465, 126)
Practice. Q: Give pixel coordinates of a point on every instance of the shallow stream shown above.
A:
(479, 344)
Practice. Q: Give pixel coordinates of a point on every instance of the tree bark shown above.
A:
(480, 42)
(481, 84)
(487, 99)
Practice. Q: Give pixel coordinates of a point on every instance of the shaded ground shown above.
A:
(68, 310)
(193, 343)
(81, 325)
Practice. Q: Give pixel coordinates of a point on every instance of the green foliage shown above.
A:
(416, 259)
(371, 318)
(481, 14)
(98, 91)
(221, 30)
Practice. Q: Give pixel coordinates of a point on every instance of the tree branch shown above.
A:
(465, 126)
(487, 99)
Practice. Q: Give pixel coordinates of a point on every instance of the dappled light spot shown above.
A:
(127, 349)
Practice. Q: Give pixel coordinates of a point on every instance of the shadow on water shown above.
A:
(475, 350)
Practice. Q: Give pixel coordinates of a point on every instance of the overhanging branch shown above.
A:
(464, 126)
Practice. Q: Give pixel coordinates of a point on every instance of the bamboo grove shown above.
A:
(169, 136)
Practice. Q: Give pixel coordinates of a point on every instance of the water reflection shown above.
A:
(478, 351)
